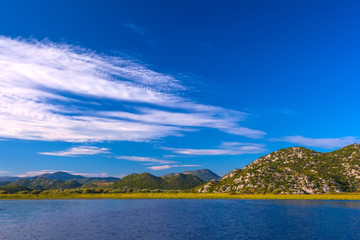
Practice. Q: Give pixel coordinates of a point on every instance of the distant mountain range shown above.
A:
(295, 170)
(8, 179)
(64, 180)
(57, 180)
(63, 176)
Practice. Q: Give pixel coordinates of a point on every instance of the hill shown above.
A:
(45, 184)
(182, 182)
(203, 174)
(8, 179)
(64, 176)
(139, 181)
(148, 181)
(295, 170)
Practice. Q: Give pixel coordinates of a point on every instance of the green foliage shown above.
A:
(13, 189)
(147, 181)
(297, 170)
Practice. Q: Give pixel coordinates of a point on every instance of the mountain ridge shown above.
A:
(203, 174)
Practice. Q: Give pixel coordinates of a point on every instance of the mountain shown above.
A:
(148, 181)
(295, 170)
(56, 180)
(140, 181)
(45, 184)
(96, 180)
(4, 183)
(64, 176)
(182, 182)
(8, 179)
(203, 174)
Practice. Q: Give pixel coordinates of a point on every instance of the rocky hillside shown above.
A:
(295, 170)
(178, 181)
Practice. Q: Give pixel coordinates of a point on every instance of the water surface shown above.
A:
(179, 219)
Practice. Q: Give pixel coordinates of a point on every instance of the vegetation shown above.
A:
(278, 175)
(295, 170)
(54, 194)
(178, 181)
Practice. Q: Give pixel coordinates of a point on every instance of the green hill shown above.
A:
(182, 182)
(148, 181)
(295, 170)
(139, 181)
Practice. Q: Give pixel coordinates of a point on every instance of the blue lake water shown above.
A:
(179, 219)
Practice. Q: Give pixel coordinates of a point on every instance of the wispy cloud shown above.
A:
(163, 167)
(145, 159)
(210, 119)
(3, 172)
(135, 28)
(327, 143)
(227, 148)
(55, 92)
(77, 151)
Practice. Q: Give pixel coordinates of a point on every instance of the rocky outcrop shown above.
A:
(295, 170)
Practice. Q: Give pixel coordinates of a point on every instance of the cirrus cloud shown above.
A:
(164, 167)
(77, 151)
(327, 143)
(226, 148)
(57, 92)
(147, 160)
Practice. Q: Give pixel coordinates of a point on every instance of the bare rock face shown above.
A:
(206, 188)
(295, 170)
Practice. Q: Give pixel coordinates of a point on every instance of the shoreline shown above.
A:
(343, 196)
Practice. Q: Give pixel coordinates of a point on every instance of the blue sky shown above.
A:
(114, 87)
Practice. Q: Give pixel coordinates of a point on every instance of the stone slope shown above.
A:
(295, 170)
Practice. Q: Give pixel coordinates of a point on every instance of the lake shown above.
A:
(179, 219)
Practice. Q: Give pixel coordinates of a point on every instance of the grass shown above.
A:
(343, 196)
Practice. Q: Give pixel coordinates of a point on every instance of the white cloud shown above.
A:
(227, 148)
(77, 151)
(320, 142)
(163, 167)
(216, 118)
(3, 172)
(53, 92)
(101, 175)
(145, 159)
